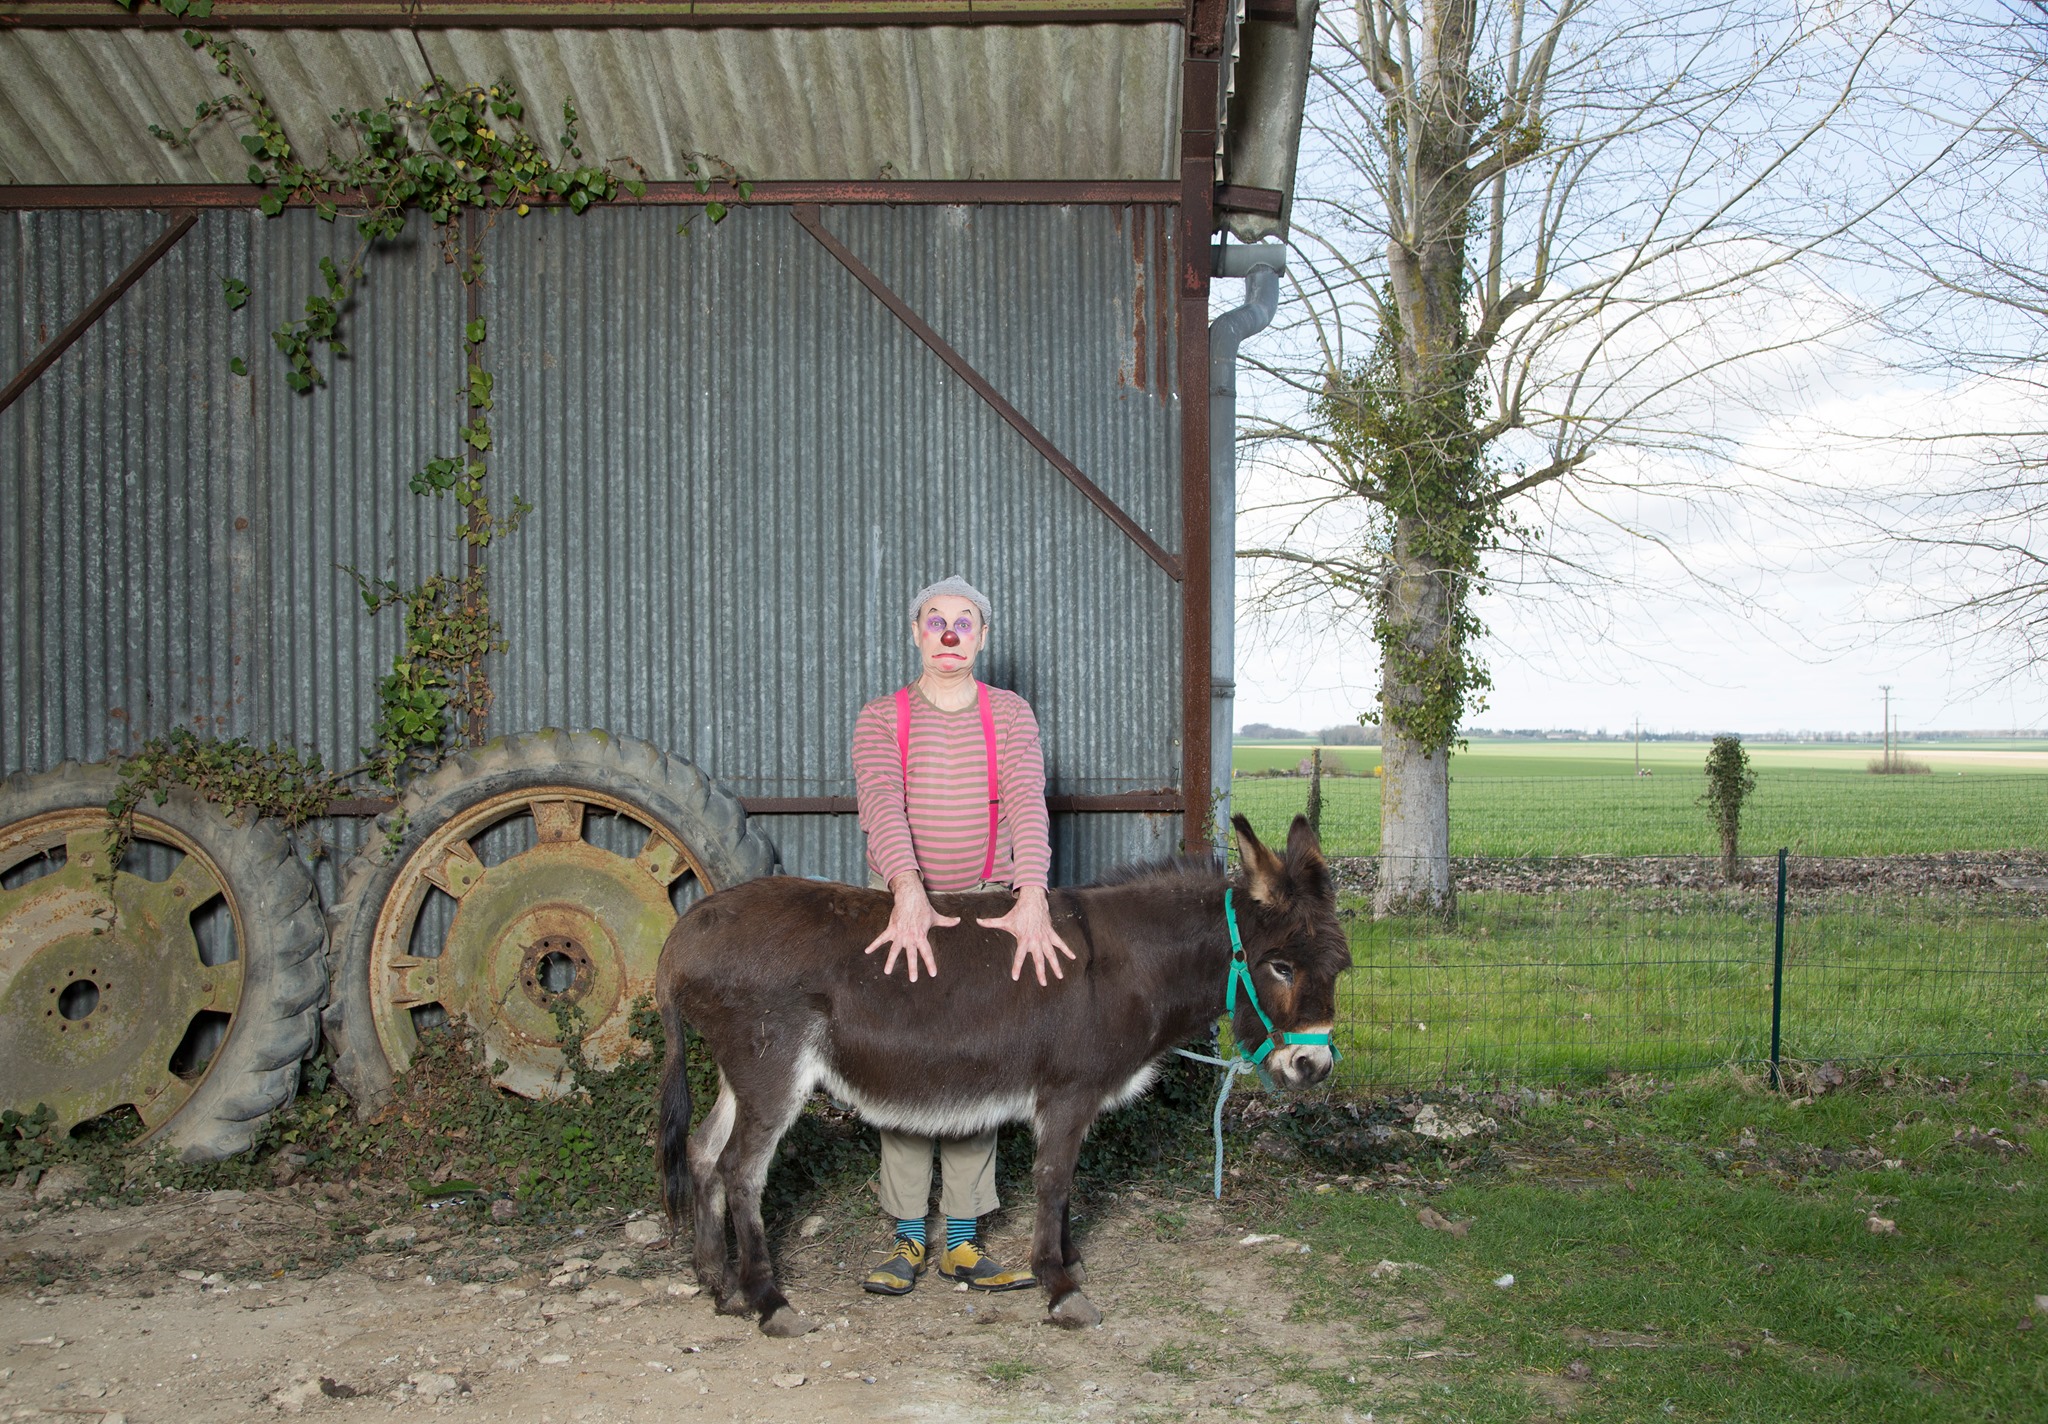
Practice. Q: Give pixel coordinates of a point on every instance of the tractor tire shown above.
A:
(111, 994)
(536, 921)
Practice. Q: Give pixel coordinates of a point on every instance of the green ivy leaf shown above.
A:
(238, 366)
(474, 332)
(236, 291)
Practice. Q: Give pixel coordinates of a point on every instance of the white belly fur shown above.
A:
(958, 1117)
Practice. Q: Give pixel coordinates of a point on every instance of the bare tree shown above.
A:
(1954, 522)
(1541, 247)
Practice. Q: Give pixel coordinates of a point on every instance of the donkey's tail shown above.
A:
(672, 1138)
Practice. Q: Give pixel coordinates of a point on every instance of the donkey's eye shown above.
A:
(1282, 970)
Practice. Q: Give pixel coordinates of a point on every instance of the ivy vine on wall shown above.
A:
(461, 155)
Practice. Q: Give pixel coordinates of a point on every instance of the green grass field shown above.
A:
(1488, 758)
(1703, 1254)
(1812, 812)
(1570, 986)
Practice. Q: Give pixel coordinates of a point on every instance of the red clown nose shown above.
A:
(949, 639)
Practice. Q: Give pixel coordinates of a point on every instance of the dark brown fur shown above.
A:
(771, 976)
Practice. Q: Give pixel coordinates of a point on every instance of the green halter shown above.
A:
(1244, 1062)
(1241, 971)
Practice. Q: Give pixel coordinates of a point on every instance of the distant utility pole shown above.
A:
(1887, 688)
(1639, 745)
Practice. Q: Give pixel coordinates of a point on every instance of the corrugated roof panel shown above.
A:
(971, 102)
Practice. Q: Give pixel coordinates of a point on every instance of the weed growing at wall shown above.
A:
(280, 783)
(438, 675)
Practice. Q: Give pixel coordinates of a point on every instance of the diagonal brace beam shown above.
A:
(83, 322)
(807, 214)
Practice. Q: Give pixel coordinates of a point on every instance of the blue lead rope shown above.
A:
(1231, 1068)
(1244, 1062)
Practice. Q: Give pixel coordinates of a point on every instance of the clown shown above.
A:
(951, 782)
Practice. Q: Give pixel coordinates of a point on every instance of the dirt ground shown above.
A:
(353, 1302)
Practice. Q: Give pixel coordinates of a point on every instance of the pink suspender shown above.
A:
(988, 743)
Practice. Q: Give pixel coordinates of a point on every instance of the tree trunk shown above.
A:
(1415, 794)
(1421, 661)
(1415, 829)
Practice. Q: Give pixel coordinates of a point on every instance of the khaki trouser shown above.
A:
(967, 1165)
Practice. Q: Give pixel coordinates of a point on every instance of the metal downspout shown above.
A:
(1260, 265)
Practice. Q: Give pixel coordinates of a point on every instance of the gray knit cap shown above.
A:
(953, 587)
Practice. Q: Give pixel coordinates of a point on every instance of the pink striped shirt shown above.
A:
(941, 828)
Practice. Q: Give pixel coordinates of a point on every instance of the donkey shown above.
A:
(770, 973)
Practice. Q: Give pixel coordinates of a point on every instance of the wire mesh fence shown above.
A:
(1812, 813)
(1571, 969)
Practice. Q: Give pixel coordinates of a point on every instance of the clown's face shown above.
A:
(949, 635)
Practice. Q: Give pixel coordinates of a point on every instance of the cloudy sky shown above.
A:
(1731, 561)
(1759, 605)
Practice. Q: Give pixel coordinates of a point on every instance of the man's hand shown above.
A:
(1030, 920)
(910, 925)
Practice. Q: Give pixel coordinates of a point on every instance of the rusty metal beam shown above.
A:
(1164, 801)
(357, 807)
(1240, 199)
(589, 14)
(1197, 222)
(1086, 192)
(807, 215)
(97, 308)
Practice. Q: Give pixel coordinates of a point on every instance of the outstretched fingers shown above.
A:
(1041, 958)
(911, 941)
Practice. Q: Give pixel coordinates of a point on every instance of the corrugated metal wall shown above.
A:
(741, 464)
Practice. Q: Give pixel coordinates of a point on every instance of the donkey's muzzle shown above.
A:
(1299, 1065)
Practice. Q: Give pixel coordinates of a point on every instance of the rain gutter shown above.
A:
(1260, 265)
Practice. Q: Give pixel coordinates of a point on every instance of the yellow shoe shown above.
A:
(966, 1262)
(897, 1274)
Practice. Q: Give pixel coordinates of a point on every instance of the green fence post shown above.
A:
(1778, 976)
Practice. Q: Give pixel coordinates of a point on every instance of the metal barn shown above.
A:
(961, 322)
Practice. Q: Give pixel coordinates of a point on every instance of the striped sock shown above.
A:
(959, 1229)
(911, 1227)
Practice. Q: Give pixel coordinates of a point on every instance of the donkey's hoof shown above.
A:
(734, 1304)
(1074, 1311)
(785, 1324)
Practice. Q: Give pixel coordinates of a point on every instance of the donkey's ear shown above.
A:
(1264, 875)
(1307, 872)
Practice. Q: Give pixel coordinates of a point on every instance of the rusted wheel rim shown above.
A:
(561, 936)
(105, 999)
